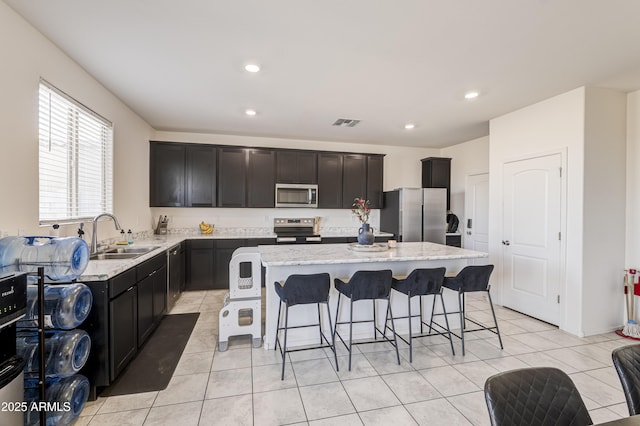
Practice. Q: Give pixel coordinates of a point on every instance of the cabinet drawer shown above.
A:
(146, 268)
(201, 244)
(120, 283)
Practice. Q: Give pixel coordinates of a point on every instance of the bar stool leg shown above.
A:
(495, 321)
(350, 331)
(319, 323)
(375, 332)
(446, 321)
(421, 324)
(461, 309)
(333, 340)
(393, 328)
(284, 350)
(410, 334)
(275, 343)
(433, 308)
(335, 327)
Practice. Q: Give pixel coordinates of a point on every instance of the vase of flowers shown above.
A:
(362, 210)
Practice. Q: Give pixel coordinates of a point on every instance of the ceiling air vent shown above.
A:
(346, 122)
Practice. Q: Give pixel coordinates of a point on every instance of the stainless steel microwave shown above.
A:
(296, 195)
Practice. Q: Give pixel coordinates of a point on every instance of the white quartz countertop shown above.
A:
(322, 254)
(102, 270)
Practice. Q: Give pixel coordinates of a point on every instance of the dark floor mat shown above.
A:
(154, 365)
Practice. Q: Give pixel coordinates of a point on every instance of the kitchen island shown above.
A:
(341, 261)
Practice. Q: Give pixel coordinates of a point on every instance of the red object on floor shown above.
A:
(619, 333)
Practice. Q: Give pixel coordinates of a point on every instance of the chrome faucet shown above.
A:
(94, 235)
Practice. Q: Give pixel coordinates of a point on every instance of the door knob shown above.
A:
(506, 242)
(468, 232)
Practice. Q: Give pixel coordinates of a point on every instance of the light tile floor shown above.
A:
(242, 386)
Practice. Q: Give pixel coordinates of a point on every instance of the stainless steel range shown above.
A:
(296, 230)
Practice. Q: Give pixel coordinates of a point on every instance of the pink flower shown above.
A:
(361, 209)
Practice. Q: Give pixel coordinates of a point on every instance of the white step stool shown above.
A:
(241, 312)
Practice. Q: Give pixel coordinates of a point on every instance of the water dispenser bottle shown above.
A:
(66, 306)
(66, 352)
(66, 398)
(64, 259)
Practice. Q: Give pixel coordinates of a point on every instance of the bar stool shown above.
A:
(365, 285)
(422, 282)
(304, 290)
(471, 279)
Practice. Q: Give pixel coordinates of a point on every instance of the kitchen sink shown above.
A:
(117, 253)
(131, 250)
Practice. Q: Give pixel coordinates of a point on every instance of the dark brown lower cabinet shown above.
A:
(200, 267)
(123, 338)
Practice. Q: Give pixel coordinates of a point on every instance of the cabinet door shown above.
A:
(261, 179)
(223, 250)
(374, 180)
(232, 177)
(330, 180)
(199, 265)
(159, 279)
(201, 176)
(123, 338)
(296, 167)
(145, 309)
(167, 175)
(287, 167)
(354, 179)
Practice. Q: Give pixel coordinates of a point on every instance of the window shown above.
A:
(76, 159)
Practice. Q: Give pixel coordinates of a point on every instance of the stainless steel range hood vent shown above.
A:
(346, 122)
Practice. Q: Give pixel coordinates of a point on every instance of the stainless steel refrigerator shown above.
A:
(415, 214)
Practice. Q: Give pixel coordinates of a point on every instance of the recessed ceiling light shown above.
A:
(471, 95)
(250, 112)
(409, 126)
(252, 68)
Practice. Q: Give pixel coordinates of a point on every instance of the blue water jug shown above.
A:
(64, 258)
(66, 352)
(65, 400)
(66, 306)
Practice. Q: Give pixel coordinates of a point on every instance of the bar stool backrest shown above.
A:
(425, 281)
(371, 284)
(474, 278)
(303, 289)
(626, 359)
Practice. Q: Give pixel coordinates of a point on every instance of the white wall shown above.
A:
(554, 125)
(402, 167)
(587, 125)
(467, 158)
(632, 258)
(23, 64)
(604, 206)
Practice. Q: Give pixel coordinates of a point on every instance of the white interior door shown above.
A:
(531, 236)
(476, 224)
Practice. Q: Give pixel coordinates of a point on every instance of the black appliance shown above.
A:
(13, 306)
(296, 231)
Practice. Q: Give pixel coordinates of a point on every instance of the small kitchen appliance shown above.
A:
(303, 230)
(161, 229)
(296, 195)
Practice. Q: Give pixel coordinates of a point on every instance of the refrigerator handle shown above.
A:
(469, 221)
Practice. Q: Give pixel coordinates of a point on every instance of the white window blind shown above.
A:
(75, 158)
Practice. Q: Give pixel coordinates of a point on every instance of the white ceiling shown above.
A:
(180, 63)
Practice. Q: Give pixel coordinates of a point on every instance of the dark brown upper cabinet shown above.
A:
(354, 179)
(261, 182)
(436, 173)
(374, 180)
(167, 175)
(296, 167)
(232, 177)
(201, 176)
(330, 180)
